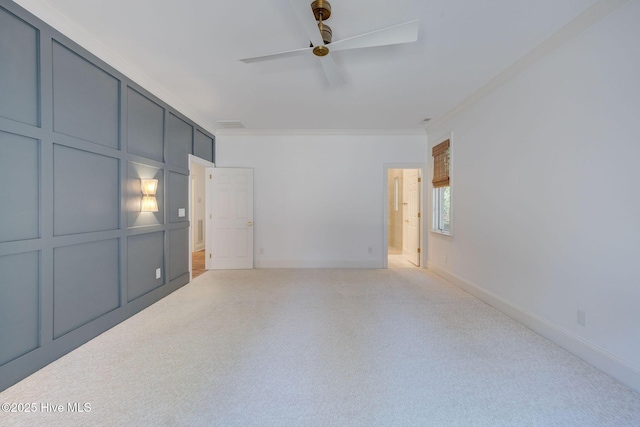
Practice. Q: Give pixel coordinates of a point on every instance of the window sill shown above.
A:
(442, 232)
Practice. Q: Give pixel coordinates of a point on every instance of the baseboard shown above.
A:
(587, 351)
(359, 263)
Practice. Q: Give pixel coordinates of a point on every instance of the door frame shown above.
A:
(422, 167)
(206, 164)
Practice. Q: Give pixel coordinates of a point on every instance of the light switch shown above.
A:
(181, 212)
(158, 273)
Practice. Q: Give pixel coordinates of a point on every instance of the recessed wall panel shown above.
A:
(180, 141)
(223, 206)
(19, 187)
(203, 146)
(85, 283)
(19, 305)
(18, 69)
(85, 99)
(220, 242)
(136, 218)
(242, 242)
(145, 127)
(85, 190)
(178, 197)
(145, 254)
(242, 203)
(178, 252)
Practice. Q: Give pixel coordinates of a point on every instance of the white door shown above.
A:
(230, 218)
(411, 249)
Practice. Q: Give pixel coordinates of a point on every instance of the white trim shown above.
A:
(586, 19)
(589, 352)
(310, 263)
(448, 136)
(201, 162)
(207, 164)
(297, 132)
(442, 233)
(422, 167)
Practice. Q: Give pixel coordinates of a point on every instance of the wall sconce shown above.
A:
(149, 202)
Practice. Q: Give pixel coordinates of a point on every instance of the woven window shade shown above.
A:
(441, 165)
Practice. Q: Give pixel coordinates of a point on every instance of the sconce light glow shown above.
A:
(149, 188)
(149, 204)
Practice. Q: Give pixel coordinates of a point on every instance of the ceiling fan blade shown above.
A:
(401, 33)
(303, 11)
(279, 55)
(332, 71)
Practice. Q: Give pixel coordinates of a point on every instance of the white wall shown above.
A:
(546, 196)
(318, 199)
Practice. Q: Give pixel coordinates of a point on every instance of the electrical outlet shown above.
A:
(370, 249)
(158, 273)
(582, 318)
(182, 212)
(261, 251)
(446, 258)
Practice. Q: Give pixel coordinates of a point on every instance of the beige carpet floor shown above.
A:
(399, 261)
(322, 348)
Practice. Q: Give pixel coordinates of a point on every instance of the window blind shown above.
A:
(441, 164)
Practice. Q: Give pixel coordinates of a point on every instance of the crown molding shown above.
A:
(361, 132)
(585, 20)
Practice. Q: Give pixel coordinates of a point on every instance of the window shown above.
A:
(442, 210)
(441, 188)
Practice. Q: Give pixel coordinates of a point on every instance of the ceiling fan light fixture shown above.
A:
(320, 36)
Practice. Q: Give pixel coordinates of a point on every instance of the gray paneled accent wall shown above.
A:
(180, 141)
(180, 199)
(19, 305)
(19, 82)
(19, 160)
(86, 193)
(86, 99)
(145, 256)
(77, 255)
(145, 126)
(202, 145)
(178, 253)
(86, 283)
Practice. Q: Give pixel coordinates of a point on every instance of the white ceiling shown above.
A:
(187, 52)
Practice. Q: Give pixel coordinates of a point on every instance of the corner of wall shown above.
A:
(596, 356)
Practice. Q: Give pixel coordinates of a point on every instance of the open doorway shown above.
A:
(403, 217)
(198, 223)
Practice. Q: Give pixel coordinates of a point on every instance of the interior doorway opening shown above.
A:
(404, 217)
(197, 215)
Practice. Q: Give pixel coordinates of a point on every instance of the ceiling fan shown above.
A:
(312, 20)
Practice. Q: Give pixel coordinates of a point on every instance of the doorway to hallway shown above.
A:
(404, 217)
(198, 200)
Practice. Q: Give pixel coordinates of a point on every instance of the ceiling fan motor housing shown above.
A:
(321, 10)
(326, 32)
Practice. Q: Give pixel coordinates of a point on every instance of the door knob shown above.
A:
(249, 224)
